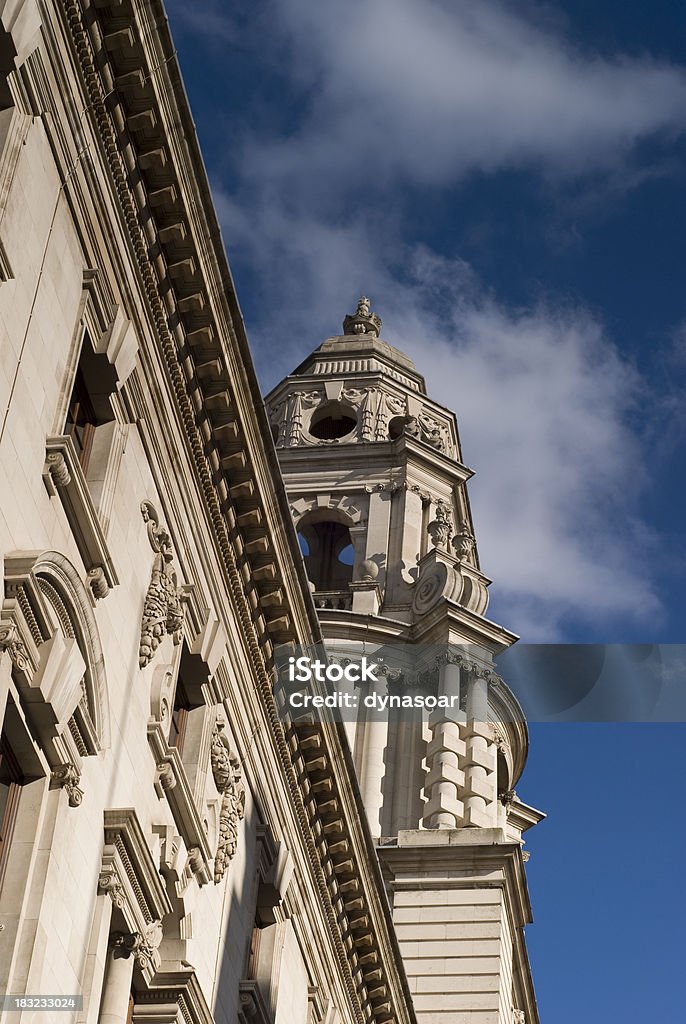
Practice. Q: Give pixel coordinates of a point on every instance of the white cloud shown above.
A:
(428, 91)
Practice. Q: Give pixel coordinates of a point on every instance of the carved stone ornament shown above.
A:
(67, 776)
(518, 1016)
(10, 642)
(143, 946)
(162, 610)
(227, 773)
(58, 469)
(362, 321)
(369, 570)
(109, 884)
(463, 543)
(440, 528)
(98, 582)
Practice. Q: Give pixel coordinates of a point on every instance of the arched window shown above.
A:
(328, 553)
(49, 590)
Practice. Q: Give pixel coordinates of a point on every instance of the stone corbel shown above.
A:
(12, 644)
(442, 575)
(67, 777)
(120, 344)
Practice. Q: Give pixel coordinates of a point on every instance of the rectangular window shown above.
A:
(179, 718)
(81, 421)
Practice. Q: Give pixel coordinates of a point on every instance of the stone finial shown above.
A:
(369, 571)
(440, 529)
(463, 543)
(362, 321)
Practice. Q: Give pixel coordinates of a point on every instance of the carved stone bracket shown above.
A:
(109, 884)
(11, 642)
(162, 610)
(68, 777)
(142, 945)
(97, 581)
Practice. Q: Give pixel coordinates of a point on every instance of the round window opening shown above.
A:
(396, 427)
(332, 421)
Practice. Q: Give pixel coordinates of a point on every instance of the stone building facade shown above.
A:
(173, 847)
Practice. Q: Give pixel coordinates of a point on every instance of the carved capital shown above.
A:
(67, 776)
(124, 944)
(11, 642)
(58, 469)
(109, 884)
(97, 581)
(141, 945)
(146, 951)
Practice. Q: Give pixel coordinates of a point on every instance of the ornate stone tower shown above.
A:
(374, 473)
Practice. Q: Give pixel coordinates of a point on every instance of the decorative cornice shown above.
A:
(210, 421)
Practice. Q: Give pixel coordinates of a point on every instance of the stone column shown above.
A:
(445, 778)
(479, 762)
(371, 767)
(114, 1005)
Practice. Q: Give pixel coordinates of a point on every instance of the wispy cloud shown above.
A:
(429, 91)
(415, 94)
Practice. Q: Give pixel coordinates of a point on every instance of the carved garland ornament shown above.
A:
(162, 610)
(226, 770)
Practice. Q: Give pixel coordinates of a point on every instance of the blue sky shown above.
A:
(506, 180)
